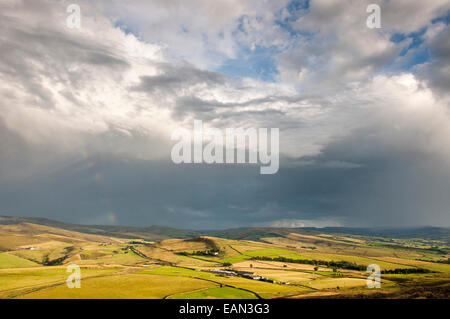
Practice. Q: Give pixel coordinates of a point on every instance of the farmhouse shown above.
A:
(248, 274)
(224, 272)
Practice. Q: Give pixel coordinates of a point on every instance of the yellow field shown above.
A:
(355, 259)
(125, 287)
(256, 264)
(417, 263)
(17, 281)
(8, 260)
(342, 283)
(216, 293)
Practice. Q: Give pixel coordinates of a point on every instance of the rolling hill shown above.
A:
(163, 262)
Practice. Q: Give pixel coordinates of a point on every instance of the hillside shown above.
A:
(150, 233)
(241, 263)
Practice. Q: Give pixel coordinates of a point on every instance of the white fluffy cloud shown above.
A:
(84, 87)
(339, 49)
(200, 31)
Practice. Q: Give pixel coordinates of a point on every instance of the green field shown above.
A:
(8, 260)
(217, 293)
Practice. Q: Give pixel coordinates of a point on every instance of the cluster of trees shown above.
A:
(54, 262)
(437, 250)
(342, 265)
(442, 261)
(329, 264)
(208, 252)
(57, 261)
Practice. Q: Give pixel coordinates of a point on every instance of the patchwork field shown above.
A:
(8, 260)
(34, 260)
(217, 293)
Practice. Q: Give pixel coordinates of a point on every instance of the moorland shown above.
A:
(247, 263)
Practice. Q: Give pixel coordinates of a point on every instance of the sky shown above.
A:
(86, 114)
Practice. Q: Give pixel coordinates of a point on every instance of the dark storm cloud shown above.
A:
(357, 180)
(368, 182)
(173, 78)
(180, 81)
(208, 110)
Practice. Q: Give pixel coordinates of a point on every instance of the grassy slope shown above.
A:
(126, 286)
(217, 293)
(15, 281)
(8, 260)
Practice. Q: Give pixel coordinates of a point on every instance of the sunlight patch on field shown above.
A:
(38, 276)
(342, 283)
(217, 293)
(125, 287)
(274, 265)
(11, 261)
(418, 263)
(258, 286)
(353, 259)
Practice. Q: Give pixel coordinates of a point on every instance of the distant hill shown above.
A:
(430, 233)
(161, 232)
(149, 233)
(426, 232)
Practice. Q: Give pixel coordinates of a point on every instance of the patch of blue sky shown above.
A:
(444, 18)
(297, 5)
(296, 9)
(416, 40)
(295, 33)
(407, 62)
(258, 64)
(413, 54)
(127, 28)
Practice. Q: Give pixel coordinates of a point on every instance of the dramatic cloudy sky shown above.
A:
(86, 115)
